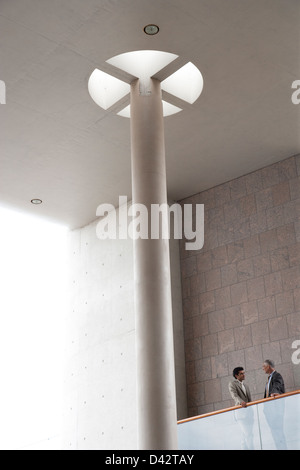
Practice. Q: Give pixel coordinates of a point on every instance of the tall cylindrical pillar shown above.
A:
(156, 395)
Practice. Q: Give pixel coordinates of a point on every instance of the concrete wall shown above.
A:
(99, 395)
(241, 292)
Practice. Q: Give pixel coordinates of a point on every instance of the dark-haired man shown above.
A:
(239, 391)
(241, 395)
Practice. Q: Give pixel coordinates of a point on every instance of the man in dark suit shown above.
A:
(274, 411)
(275, 383)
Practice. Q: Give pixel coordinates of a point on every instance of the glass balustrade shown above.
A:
(271, 424)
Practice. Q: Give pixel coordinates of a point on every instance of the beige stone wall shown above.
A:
(241, 292)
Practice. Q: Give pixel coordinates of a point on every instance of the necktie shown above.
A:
(267, 387)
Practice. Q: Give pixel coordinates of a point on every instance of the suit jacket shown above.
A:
(237, 393)
(276, 384)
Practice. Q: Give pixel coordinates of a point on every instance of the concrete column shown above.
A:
(156, 395)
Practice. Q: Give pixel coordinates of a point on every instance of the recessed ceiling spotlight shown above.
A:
(151, 29)
(36, 201)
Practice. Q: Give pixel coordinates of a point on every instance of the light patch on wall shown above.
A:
(32, 310)
(168, 110)
(105, 89)
(142, 64)
(186, 83)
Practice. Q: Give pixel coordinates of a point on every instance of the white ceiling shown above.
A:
(58, 145)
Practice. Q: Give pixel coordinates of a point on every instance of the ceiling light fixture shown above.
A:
(36, 201)
(106, 90)
(151, 29)
(142, 64)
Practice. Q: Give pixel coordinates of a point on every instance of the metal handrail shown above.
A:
(224, 410)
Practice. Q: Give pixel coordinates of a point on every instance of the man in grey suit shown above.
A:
(274, 412)
(275, 383)
(239, 391)
(241, 395)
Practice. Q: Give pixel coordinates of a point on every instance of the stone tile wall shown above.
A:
(241, 291)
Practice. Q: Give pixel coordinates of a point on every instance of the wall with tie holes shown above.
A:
(241, 291)
(99, 386)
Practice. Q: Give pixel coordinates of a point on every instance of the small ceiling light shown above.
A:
(36, 201)
(151, 29)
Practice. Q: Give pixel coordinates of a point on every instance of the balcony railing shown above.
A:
(269, 424)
